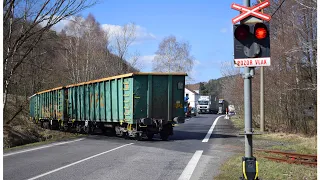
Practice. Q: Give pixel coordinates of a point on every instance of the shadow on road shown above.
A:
(186, 135)
(187, 138)
(191, 131)
(178, 135)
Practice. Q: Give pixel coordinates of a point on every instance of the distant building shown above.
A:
(193, 96)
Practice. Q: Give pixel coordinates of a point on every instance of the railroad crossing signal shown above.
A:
(251, 11)
(251, 45)
(251, 40)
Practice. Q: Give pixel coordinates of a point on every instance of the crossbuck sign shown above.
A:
(251, 11)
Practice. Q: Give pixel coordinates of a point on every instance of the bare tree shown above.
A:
(25, 22)
(85, 49)
(232, 85)
(173, 56)
(134, 60)
(122, 40)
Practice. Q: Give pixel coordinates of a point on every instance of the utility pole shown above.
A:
(249, 162)
(251, 49)
(261, 96)
(248, 73)
(261, 99)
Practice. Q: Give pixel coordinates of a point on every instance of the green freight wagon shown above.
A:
(130, 105)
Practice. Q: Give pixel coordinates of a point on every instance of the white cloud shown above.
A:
(141, 33)
(111, 29)
(147, 59)
(146, 62)
(59, 26)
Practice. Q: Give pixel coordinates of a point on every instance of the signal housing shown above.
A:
(251, 40)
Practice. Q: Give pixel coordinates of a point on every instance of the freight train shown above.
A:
(136, 105)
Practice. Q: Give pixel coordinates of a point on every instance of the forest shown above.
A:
(37, 57)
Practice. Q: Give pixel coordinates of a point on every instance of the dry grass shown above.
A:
(31, 135)
(294, 142)
(238, 122)
(270, 170)
(22, 132)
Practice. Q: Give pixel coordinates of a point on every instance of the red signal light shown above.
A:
(242, 32)
(260, 33)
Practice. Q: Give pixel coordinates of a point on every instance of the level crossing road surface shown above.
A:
(195, 151)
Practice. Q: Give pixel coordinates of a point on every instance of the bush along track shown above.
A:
(18, 137)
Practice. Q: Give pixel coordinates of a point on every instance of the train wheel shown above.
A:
(124, 135)
(66, 128)
(92, 128)
(150, 136)
(46, 125)
(164, 135)
(86, 129)
(138, 137)
(78, 128)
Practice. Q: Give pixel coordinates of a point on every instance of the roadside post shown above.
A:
(227, 117)
(251, 49)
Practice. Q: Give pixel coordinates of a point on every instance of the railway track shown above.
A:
(292, 158)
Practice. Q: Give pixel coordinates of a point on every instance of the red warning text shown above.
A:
(252, 62)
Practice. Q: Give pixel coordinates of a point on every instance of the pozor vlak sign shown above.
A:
(252, 62)
(251, 40)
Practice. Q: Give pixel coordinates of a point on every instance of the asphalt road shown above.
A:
(191, 153)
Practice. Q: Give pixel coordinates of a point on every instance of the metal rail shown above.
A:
(292, 158)
(308, 156)
(290, 161)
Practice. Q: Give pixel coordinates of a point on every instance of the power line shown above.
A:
(278, 7)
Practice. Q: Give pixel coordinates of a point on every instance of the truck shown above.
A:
(207, 104)
(222, 106)
(137, 105)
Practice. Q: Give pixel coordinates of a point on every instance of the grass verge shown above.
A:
(54, 136)
(268, 170)
(238, 122)
(271, 170)
(28, 135)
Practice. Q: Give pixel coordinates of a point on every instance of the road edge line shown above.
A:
(41, 147)
(77, 162)
(206, 139)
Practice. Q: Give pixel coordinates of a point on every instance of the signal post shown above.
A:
(251, 49)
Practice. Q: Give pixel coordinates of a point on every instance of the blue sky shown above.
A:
(205, 24)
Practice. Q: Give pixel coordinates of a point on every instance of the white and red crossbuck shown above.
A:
(251, 11)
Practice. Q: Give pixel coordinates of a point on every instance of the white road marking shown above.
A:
(63, 167)
(188, 170)
(42, 147)
(206, 139)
